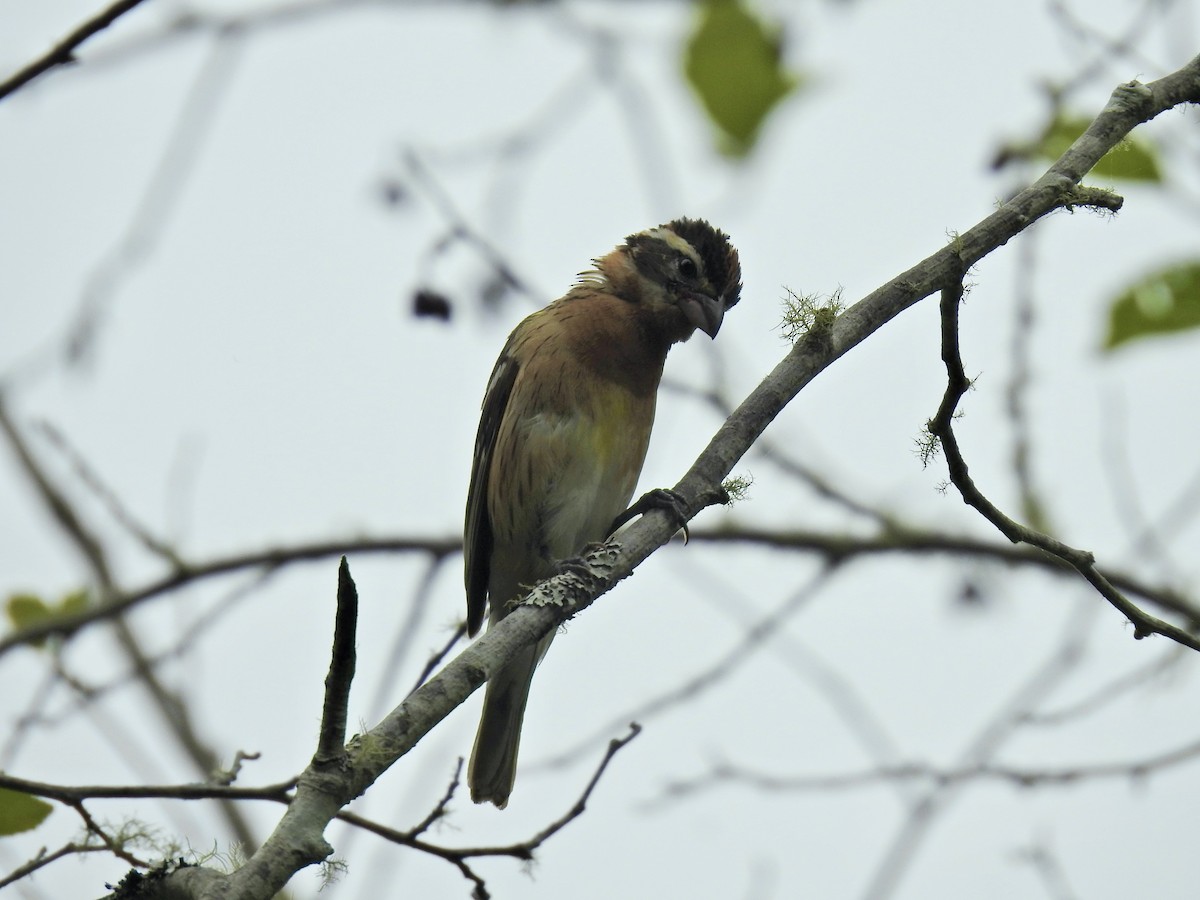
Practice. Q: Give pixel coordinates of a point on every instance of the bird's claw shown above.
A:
(660, 498)
(574, 565)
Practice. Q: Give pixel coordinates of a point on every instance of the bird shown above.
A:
(563, 432)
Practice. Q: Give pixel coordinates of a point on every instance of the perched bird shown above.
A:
(563, 434)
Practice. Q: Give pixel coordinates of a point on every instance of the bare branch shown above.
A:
(63, 512)
(45, 858)
(63, 52)
(942, 427)
(268, 560)
(120, 514)
(436, 659)
(935, 776)
(909, 540)
(716, 673)
(200, 791)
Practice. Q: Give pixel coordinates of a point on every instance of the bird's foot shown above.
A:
(660, 498)
(575, 565)
(594, 563)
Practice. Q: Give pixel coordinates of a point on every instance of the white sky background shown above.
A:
(256, 380)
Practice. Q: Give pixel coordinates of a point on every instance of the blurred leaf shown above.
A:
(1163, 302)
(21, 812)
(1134, 159)
(733, 61)
(28, 610)
(74, 602)
(25, 610)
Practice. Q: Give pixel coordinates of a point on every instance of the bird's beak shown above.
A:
(704, 312)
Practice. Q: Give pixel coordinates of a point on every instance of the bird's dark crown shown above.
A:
(720, 259)
(709, 245)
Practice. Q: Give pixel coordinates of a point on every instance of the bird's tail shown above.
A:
(494, 759)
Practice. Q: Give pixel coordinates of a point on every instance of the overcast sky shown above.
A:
(251, 377)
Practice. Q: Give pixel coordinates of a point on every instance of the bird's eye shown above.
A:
(687, 267)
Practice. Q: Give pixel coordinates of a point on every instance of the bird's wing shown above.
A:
(477, 535)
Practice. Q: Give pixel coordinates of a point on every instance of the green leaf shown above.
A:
(1134, 159)
(21, 812)
(73, 603)
(1161, 303)
(26, 610)
(29, 610)
(733, 61)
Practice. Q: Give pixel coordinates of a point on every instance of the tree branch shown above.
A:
(63, 52)
(187, 573)
(341, 671)
(942, 427)
(935, 776)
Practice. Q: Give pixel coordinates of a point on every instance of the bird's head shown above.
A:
(685, 274)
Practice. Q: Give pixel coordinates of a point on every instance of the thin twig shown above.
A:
(418, 607)
(934, 776)
(909, 540)
(523, 850)
(268, 560)
(116, 508)
(942, 427)
(278, 792)
(60, 508)
(714, 674)
(44, 859)
(436, 659)
(439, 811)
(63, 52)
